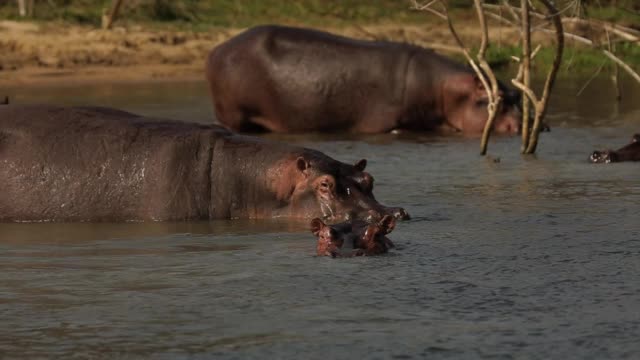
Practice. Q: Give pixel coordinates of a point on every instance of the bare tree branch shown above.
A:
(495, 100)
(108, 19)
(622, 64)
(481, 67)
(541, 106)
(525, 69)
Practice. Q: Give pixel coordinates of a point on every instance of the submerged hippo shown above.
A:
(285, 79)
(630, 152)
(353, 238)
(99, 164)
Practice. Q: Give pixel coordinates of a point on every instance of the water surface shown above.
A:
(505, 257)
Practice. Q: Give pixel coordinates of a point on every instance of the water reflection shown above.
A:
(535, 256)
(70, 233)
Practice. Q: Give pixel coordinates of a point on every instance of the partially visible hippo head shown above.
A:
(466, 102)
(353, 238)
(630, 152)
(336, 191)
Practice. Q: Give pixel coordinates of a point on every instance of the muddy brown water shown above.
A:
(535, 257)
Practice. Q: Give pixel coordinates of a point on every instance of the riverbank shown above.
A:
(42, 52)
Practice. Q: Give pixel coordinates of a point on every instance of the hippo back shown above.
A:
(87, 163)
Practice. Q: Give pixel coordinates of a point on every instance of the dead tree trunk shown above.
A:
(22, 8)
(540, 105)
(112, 15)
(526, 70)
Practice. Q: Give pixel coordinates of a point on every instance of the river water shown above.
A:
(505, 257)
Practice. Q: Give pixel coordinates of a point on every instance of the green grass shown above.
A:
(201, 15)
(574, 59)
(623, 15)
(225, 13)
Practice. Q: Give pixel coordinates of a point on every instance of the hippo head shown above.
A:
(465, 106)
(353, 238)
(630, 152)
(603, 157)
(335, 191)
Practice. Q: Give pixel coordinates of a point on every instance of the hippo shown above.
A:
(102, 164)
(353, 237)
(295, 80)
(630, 152)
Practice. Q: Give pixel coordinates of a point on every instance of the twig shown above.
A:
(622, 64)
(513, 13)
(626, 33)
(586, 84)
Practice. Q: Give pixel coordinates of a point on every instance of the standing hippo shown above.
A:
(630, 152)
(353, 237)
(99, 164)
(286, 79)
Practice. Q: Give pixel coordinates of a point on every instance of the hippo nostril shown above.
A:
(596, 156)
(401, 214)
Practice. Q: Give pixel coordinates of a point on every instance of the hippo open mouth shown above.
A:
(353, 238)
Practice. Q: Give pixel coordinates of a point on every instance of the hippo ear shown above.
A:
(302, 164)
(387, 224)
(370, 234)
(316, 226)
(360, 165)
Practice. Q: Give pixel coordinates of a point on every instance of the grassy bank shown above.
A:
(201, 15)
(152, 31)
(575, 58)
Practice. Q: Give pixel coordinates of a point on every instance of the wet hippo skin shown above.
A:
(286, 79)
(353, 237)
(100, 164)
(630, 152)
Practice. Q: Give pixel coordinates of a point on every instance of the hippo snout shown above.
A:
(599, 157)
(399, 213)
(396, 212)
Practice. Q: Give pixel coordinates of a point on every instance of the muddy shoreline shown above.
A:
(35, 53)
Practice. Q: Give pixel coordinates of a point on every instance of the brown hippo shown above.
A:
(630, 152)
(285, 79)
(99, 164)
(353, 237)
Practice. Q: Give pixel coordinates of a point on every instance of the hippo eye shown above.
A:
(482, 102)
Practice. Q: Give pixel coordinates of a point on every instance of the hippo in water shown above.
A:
(353, 238)
(99, 164)
(630, 152)
(285, 79)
